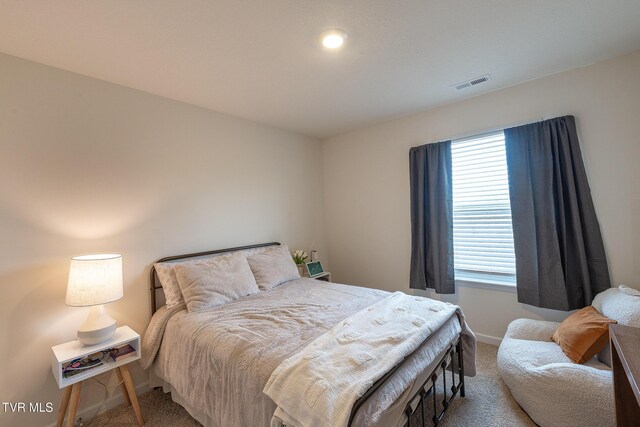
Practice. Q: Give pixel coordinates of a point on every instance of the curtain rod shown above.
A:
(494, 129)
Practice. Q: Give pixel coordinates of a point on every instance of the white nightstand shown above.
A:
(325, 277)
(72, 350)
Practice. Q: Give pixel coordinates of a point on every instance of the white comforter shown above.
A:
(319, 385)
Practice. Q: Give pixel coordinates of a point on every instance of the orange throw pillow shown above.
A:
(583, 334)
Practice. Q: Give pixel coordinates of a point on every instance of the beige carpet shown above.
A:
(488, 403)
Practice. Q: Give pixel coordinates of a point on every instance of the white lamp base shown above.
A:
(99, 327)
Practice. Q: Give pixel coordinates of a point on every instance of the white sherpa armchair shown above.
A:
(552, 389)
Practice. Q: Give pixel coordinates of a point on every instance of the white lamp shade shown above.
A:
(94, 279)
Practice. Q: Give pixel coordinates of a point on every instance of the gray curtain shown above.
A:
(431, 218)
(560, 257)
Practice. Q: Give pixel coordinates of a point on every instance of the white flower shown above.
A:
(300, 256)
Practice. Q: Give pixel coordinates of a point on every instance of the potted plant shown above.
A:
(299, 257)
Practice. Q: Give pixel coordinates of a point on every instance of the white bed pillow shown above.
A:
(209, 282)
(273, 267)
(169, 282)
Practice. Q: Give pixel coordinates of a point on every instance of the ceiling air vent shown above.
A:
(472, 82)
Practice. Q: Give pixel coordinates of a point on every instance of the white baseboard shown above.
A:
(115, 400)
(488, 339)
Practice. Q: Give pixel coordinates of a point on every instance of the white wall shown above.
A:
(366, 179)
(89, 167)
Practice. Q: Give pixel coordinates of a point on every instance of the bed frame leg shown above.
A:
(423, 394)
(445, 402)
(461, 366)
(434, 384)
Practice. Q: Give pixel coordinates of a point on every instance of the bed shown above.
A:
(216, 363)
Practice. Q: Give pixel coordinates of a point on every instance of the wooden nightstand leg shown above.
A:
(64, 402)
(73, 403)
(128, 381)
(123, 388)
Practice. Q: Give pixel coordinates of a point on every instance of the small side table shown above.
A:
(71, 386)
(625, 364)
(325, 277)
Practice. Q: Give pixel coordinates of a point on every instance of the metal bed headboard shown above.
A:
(153, 277)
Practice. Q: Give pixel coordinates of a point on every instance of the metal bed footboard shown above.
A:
(455, 354)
(456, 366)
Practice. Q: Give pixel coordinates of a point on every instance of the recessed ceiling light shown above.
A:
(333, 38)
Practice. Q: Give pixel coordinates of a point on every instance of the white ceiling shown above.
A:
(261, 59)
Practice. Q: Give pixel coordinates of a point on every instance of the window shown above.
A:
(482, 230)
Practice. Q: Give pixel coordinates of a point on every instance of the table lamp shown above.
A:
(95, 280)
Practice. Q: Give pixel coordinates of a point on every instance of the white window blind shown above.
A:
(482, 230)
